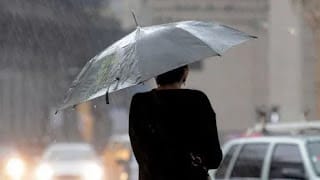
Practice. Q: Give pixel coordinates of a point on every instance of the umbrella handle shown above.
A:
(107, 98)
(107, 93)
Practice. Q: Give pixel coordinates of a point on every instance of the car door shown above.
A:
(250, 161)
(286, 163)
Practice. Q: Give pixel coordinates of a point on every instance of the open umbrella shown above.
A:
(148, 52)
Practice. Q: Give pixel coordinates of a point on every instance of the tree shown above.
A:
(311, 12)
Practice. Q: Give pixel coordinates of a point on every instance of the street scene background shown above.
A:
(44, 44)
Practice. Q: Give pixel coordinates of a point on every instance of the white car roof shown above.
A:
(274, 139)
(67, 146)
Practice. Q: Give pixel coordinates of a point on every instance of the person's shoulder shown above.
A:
(141, 95)
(197, 95)
(195, 92)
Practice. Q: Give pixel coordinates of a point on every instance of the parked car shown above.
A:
(70, 161)
(276, 157)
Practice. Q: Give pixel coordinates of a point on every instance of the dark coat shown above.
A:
(166, 126)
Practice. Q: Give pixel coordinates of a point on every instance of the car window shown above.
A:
(314, 155)
(250, 161)
(225, 162)
(285, 157)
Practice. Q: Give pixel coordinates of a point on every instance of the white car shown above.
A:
(270, 158)
(72, 161)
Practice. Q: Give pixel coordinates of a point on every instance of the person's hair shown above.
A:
(172, 76)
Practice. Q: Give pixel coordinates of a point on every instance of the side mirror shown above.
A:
(295, 173)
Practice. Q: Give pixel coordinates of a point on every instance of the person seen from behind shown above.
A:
(173, 131)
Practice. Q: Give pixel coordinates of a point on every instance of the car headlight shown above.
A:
(44, 172)
(15, 168)
(93, 171)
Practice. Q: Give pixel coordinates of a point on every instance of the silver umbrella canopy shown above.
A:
(148, 52)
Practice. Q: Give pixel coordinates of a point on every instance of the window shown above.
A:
(225, 162)
(250, 161)
(285, 156)
(314, 155)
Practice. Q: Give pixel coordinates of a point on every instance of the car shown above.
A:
(267, 158)
(12, 165)
(72, 161)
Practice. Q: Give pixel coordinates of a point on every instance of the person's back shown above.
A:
(167, 127)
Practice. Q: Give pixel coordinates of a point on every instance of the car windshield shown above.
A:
(69, 155)
(314, 154)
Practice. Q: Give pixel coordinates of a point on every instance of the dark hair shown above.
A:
(172, 76)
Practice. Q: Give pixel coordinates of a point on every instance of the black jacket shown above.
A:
(166, 126)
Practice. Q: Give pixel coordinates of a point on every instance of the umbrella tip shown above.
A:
(134, 18)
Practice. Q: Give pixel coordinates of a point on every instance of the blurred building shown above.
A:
(256, 78)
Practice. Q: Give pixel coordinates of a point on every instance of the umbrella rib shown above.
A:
(217, 53)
